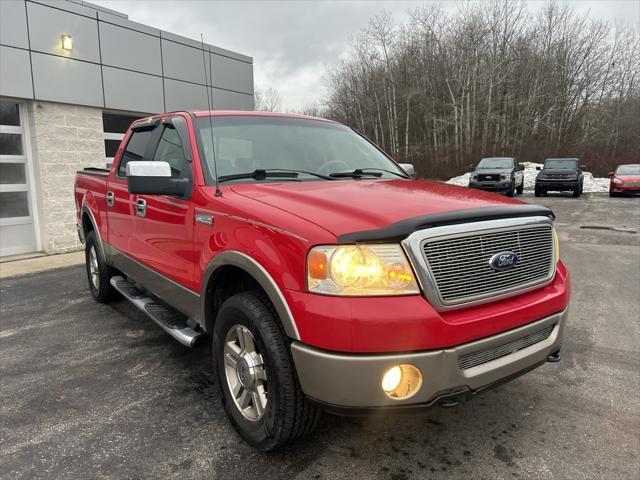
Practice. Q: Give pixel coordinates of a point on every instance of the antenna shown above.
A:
(209, 105)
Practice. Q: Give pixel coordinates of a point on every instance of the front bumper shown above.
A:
(557, 185)
(354, 381)
(501, 186)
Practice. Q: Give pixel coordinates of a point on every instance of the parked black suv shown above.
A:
(498, 174)
(559, 175)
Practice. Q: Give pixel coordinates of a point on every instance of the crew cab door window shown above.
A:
(171, 150)
(135, 149)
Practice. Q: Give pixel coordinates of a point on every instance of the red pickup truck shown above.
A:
(324, 275)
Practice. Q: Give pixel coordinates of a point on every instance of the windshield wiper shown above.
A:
(366, 172)
(262, 174)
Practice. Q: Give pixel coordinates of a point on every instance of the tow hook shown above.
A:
(554, 356)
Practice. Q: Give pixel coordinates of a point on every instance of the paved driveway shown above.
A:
(96, 391)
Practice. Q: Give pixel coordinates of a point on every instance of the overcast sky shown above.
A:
(293, 42)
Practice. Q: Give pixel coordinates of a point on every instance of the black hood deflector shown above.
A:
(400, 230)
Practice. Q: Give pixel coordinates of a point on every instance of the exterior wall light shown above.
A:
(67, 42)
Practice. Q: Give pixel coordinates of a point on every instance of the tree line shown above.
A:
(442, 91)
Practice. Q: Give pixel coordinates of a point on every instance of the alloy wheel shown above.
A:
(245, 373)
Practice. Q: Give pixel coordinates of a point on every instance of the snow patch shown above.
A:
(591, 183)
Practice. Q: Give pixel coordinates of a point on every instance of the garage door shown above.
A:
(17, 232)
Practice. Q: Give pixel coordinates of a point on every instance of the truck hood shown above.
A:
(494, 171)
(346, 206)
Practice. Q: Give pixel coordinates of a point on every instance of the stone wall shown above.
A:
(64, 139)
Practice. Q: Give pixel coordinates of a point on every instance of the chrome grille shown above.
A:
(460, 266)
(473, 359)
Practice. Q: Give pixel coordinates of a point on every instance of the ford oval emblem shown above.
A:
(503, 261)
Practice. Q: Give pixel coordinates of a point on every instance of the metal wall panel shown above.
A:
(232, 74)
(46, 26)
(15, 73)
(136, 92)
(65, 80)
(183, 63)
(126, 48)
(184, 96)
(13, 24)
(226, 100)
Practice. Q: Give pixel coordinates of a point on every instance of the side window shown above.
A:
(170, 150)
(135, 150)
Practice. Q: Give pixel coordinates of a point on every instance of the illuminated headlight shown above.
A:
(359, 270)
(556, 244)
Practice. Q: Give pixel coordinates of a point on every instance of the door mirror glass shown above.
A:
(538, 168)
(611, 174)
(154, 178)
(409, 168)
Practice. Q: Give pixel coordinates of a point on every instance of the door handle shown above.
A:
(111, 199)
(141, 207)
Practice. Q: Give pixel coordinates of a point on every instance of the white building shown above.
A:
(72, 78)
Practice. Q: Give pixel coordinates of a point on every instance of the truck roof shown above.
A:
(235, 113)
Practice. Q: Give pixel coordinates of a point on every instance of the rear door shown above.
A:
(121, 212)
(164, 224)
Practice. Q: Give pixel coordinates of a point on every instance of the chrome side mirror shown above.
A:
(409, 169)
(154, 178)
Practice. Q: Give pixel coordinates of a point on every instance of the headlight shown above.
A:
(617, 181)
(504, 177)
(474, 176)
(556, 244)
(359, 270)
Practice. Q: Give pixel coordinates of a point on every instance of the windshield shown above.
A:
(495, 163)
(248, 143)
(561, 164)
(628, 170)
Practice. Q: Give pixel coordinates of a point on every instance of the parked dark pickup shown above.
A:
(560, 174)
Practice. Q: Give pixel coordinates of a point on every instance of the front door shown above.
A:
(164, 224)
(17, 215)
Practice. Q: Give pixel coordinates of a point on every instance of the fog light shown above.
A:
(401, 381)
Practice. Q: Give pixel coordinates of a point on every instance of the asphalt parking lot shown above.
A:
(98, 391)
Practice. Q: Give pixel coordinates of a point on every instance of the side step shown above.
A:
(168, 320)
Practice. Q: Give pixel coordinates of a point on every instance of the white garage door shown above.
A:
(17, 231)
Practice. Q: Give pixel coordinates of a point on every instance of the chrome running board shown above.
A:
(160, 314)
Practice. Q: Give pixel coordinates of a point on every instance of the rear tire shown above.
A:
(98, 272)
(282, 414)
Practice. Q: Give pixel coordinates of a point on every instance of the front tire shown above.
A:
(576, 191)
(537, 192)
(258, 382)
(98, 272)
(520, 189)
(512, 189)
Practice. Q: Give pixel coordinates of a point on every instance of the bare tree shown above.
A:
(442, 90)
(267, 100)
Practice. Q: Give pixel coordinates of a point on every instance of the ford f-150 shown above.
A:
(324, 276)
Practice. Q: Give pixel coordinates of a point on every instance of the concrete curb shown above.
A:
(16, 268)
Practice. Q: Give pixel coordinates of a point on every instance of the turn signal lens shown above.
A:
(317, 265)
(358, 270)
(556, 244)
(401, 381)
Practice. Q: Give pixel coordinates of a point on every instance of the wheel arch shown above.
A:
(240, 263)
